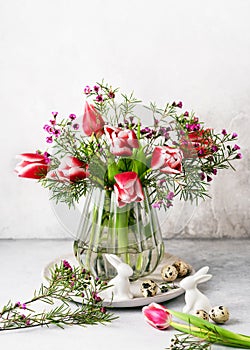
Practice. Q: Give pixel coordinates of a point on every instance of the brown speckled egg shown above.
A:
(219, 314)
(149, 288)
(169, 273)
(202, 314)
(182, 267)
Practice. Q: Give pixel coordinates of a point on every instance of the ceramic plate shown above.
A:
(138, 300)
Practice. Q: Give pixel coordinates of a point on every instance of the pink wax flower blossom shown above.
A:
(236, 147)
(66, 265)
(177, 104)
(111, 94)
(167, 159)
(99, 98)
(122, 141)
(71, 169)
(157, 316)
(72, 116)
(170, 196)
(49, 139)
(92, 121)
(87, 90)
(128, 188)
(32, 165)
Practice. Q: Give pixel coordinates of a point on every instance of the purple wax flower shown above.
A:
(76, 126)
(170, 196)
(87, 90)
(234, 135)
(57, 132)
(54, 114)
(48, 128)
(214, 171)
(238, 156)
(99, 98)
(236, 147)
(103, 310)
(67, 265)
(202, 176)
(49, 139)
(179, 104)
(96, 88)
(209, 179)
(156, 205)
(161, 182)
(214, 148)
(72, 116)
(111, 94)
(224, 132)
(96, 297)
(186, 114)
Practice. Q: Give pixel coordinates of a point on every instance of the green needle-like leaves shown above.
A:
(64, 285)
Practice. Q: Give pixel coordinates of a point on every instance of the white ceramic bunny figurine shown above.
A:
(194, 299)
(119, 286)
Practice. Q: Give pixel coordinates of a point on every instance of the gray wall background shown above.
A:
(194, 51)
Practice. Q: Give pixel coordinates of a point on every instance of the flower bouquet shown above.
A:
(127, 168)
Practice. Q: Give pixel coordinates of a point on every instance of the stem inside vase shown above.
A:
(131, 232)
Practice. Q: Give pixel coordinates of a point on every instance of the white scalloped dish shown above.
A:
(138, 299)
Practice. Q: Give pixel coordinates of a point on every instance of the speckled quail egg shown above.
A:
(202, 314)
(169, 273)
(219, 314)
(182, 267)
(149, 288)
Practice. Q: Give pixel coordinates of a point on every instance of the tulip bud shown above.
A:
(92, 121)
(157, 316)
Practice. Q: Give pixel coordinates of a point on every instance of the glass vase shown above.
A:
(131, 232)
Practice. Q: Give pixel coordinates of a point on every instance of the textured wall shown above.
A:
(194, 51)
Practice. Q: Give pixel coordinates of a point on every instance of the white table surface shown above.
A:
(23, 260)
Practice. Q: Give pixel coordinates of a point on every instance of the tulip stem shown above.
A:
(122, 231)
(210, 332)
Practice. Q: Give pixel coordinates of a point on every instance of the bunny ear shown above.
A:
(113, 259)
(202, 271)
(203, 278)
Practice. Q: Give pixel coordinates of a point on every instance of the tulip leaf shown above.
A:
(112, 171)
(204, 329)
(124, 164)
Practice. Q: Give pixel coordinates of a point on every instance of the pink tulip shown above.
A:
(92, 121)
(122, 141)
(167, 159)
(128, 188)
(32, 165)
(71, 169)
(157, 316)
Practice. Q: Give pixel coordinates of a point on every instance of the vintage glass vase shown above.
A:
(131, 232)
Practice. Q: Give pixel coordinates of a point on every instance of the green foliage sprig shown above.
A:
(64, 283)
(204, 151)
